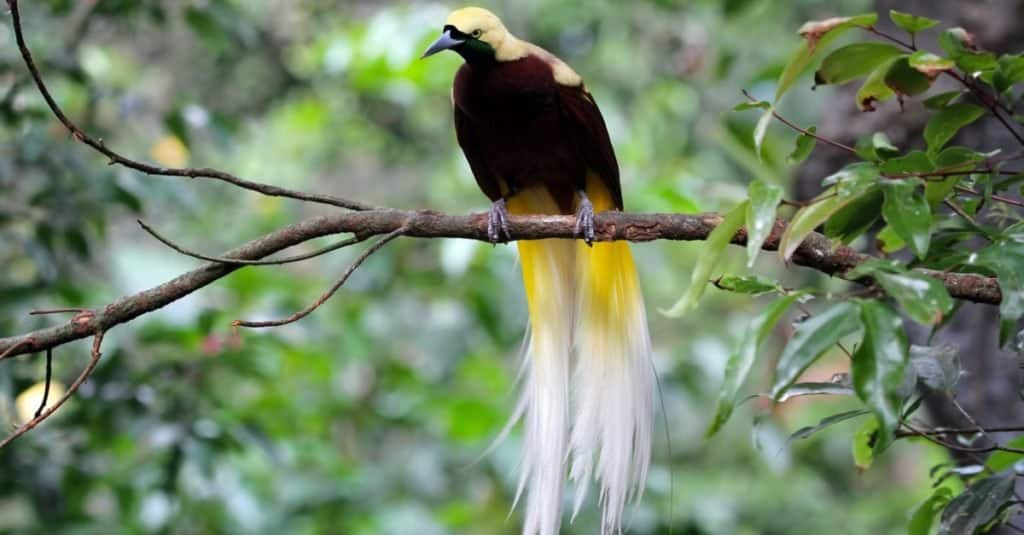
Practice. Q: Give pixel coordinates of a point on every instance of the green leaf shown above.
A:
(715, 245)
(806, 432)
(863, 444)
(876, 147)
(908, 213)
(742, 358)
(856, 218)
(817, 389)
(760, 105)
(761, 129)
(911, 23)
(912, 162)
(1006, 259)
(903, 79)
(846, 186)
(924, 298)
(817, 35)
(810, 341)
(924, 515)
(978, 505)
(937, 102)
(878, 366)
(874, 89)
(889, 241)
(959, 46)
(853, 61)
(947, 122)
(1009, 72)
(1001, 460)
(750, 285)
(929, 64)
(804, 145)
(764, 203)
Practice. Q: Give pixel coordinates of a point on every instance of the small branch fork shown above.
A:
(45, 412)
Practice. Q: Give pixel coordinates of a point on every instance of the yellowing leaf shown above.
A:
(27, 402)
(169, 151)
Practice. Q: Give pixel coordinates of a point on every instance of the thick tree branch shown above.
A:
(817, 252)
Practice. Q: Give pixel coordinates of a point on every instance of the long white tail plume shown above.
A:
(544, 403)
(613, 382)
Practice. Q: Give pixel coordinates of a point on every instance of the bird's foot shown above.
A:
(497, 222)
(585, 219)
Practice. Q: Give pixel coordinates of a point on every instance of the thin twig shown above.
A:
(237, 261)
(51, 311)
(968, 430)
(960, 211)
(329, 293)
(1000, 198)
(49, 377)
(116, 158)
(39, 418)
(803, 131)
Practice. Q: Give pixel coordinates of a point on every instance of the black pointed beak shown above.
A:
(445, 42)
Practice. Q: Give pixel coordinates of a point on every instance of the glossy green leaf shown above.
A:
(911, 23)
(807, 432)
(923, 517)
(741, 360)
(911, 162)
(857, 217)
(878, 366)
(799, 390)
(947, 122)
(924, 298)
(810, 341)
(1006, 259)
(804, 145)
(764, 203)
(853, 61)
(960, 47)
(714, 246)
(937, 102)
(758, 105)
(749, 285)
(903, 79)
(889, 241)
(844, 187)
(1001, 460)
(876, 148)
(817, 35)
(761, 129)
(978, 505)
(874, 89)
(908, 213)
(1009, 72)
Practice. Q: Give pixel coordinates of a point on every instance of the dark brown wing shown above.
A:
(469, 140)
(583, 121)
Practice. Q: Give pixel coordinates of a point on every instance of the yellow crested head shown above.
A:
(477, 22)
(476, 33)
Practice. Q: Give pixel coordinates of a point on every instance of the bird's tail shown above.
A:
(544, 403)
(613, 375)
(588, 298)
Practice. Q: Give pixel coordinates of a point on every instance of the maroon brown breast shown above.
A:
(516, 124)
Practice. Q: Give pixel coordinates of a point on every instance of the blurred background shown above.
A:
(371, 416)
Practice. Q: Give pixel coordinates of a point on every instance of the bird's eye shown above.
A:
(477, 33)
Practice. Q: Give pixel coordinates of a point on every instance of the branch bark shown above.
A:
(817, 252)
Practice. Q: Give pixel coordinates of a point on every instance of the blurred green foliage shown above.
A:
(372, 415)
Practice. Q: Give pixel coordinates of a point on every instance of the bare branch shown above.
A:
(38, 419)
(149, 169)
(816, 252)
(222, 260)
(329, 293)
